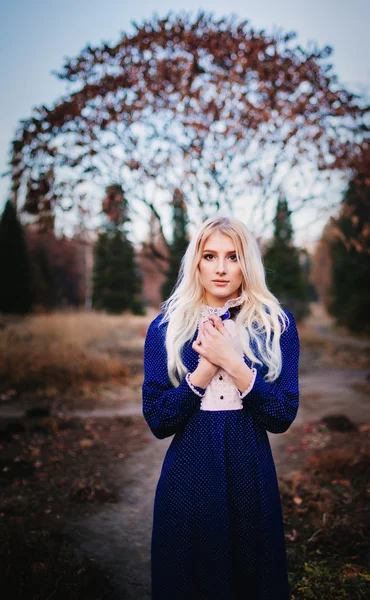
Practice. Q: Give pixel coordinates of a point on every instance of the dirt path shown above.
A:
(320, 322)
(324, 390)
(118, 537)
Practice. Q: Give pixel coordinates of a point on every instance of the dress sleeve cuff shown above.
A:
(254, 373)
(196, 389)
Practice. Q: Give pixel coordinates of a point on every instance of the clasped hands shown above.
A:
(217, 350)
(215, 345)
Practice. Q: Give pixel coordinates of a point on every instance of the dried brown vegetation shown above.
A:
(64, 348)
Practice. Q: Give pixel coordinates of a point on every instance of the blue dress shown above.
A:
(218, 530)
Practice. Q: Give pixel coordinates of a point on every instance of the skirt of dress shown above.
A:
(218, 530)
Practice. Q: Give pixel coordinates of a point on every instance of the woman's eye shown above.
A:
(209, 256)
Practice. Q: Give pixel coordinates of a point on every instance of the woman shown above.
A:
(220, 370)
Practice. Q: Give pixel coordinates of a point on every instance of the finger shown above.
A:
(201, 333)
(198, 348)
(213, 330)
(213, 320)
(227, 331)
(201, 330)
(200, 337)
(208, 330)
(220, 326)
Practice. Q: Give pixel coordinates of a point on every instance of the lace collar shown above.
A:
(217, 311)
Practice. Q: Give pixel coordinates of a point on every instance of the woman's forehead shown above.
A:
(218, 240)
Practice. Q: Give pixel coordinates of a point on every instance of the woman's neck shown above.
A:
(215, 302)
(235, 300)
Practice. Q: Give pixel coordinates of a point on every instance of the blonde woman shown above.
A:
(220, 371)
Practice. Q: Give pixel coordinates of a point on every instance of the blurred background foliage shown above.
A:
(199, 110)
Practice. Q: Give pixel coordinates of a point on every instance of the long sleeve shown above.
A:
(274, 405)
(165, 408)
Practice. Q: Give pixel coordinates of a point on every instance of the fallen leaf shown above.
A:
(364, 427)
(344, 482)
(292, 536)
(291, 448)
(56, 458)
(86, 443)
(38, 566)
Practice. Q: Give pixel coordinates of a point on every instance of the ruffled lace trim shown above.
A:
(195, 388)
(217, 311)
(249, 388)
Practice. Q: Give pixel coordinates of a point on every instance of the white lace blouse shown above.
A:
(221, 393)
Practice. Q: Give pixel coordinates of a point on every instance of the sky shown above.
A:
(36, 38)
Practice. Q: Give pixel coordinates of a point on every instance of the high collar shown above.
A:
(207, 310)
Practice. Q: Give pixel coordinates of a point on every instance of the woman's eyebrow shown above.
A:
(215, 251)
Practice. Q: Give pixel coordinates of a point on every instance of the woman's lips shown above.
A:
(220, 282)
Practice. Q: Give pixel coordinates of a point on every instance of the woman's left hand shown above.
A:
(215, 343)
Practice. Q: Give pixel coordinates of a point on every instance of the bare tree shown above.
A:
(212, 107)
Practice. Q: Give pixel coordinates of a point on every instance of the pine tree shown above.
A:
(44, 284)
(179, 243)
(284, 274)
(15, 267)
(350, 254)
(100, 268)
(116, 281)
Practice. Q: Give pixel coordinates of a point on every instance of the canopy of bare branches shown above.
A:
(212, 107)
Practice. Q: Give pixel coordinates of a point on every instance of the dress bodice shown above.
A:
(221, 393)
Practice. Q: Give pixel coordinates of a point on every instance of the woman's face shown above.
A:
(218, 264)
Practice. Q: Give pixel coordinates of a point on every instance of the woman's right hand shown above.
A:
(205, 369)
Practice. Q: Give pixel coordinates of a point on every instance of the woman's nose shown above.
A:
(221, 267)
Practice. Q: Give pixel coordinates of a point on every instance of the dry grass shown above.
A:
(65, 348)
(333, 459)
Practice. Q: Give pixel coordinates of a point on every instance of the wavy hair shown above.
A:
(261, 319)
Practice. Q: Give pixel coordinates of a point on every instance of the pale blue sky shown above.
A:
(36, 36)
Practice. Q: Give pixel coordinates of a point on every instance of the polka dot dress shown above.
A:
(218, 529)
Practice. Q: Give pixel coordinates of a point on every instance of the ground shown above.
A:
(77, 478)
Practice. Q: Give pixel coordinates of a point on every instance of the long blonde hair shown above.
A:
(260, 320)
